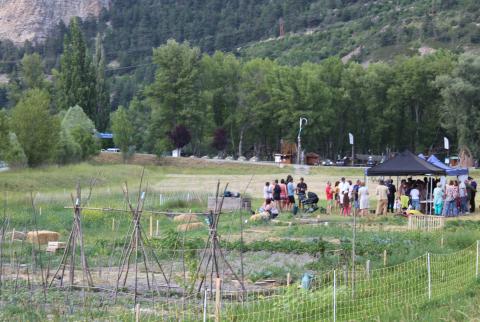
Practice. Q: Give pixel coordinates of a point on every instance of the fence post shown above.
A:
(367, 268)
(113, 224)
(137, 312)
(151, 226)
(288, 279)
(205, 306)
(476, 262)
(429, 277)
(385, 258)
(156, 231)
(334, 296)
(218, 297)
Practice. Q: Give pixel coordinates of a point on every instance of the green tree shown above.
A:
(82, 130)
(461, 103)
(102, 111)
(175, 94)
(15, 156)
(123, 132)
(36, 129)
(76, 81)
(31, 72)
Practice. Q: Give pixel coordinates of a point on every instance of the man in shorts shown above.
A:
(290, 193)
(301, 191)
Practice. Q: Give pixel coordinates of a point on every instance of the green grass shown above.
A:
(330, 245)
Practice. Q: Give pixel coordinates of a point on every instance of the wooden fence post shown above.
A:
(385, 258)
(151, 226)
(137, 312)
(218, 297)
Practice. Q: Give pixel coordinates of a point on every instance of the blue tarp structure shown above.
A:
(450, 171)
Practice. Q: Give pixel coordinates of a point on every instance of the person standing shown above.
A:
(438, 199)
(415, 197)
(301, 191)
(329, 194)
(450, 199)
(290, 193)
(344, 188)
(276, 195)
(283, 194)
(267, 192)
(356, 201)
(363, 199)
(463, 194)
(382, 198)
(391, 196)
(473, 185)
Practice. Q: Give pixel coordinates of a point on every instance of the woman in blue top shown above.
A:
(290, 193)
(438, 199)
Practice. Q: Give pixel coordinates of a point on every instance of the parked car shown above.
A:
(327, 163)
(343, 162)
(114, 150)
(371, 162)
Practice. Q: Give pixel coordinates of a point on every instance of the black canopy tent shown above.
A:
(404, 164)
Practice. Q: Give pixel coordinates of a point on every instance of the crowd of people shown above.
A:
(280, 195)
(347, 197)
(456, 197)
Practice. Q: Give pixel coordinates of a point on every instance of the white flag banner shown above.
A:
(350, 137)
(446, 143)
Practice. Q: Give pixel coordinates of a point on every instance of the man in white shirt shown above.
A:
(344, 188)
(415, 196)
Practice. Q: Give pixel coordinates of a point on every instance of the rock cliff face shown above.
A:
(22, 20)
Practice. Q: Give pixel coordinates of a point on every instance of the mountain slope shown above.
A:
(33, 20)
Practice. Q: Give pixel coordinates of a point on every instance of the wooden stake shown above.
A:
(13, 234)
(137, 312)
(218, 283)
(441, 242)
(151, 226)
(113, 224)
(385, 257)
(156, 230)
(288, 279)
(367, 268)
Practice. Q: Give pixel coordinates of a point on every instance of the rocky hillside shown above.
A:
(32, 20)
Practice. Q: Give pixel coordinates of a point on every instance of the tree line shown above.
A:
(219, 104)
(246, 108)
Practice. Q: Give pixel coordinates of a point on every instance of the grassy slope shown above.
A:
(384, 30)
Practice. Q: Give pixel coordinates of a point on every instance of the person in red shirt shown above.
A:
(329, 193)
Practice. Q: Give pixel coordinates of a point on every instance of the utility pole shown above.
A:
(303, 122)
(281, 24)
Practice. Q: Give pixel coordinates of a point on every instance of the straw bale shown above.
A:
(261, 216)
(186, 218)
(43, 237)
(189, 227)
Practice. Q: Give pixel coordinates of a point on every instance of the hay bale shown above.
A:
(186, 218)
(261, 216)
(42, 237)
(189, 227)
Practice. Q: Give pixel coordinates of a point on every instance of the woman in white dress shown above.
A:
(363, 198)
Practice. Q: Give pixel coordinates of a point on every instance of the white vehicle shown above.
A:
(114, 150)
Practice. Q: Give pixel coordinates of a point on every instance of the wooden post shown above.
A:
(288, 279)
(151, 226)
(13, 234)
(441, 242)
(40, 211)
(137, 312)
(367, 268)
(156, 231)
(385, 258)
(218, 296)
(113, 224)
